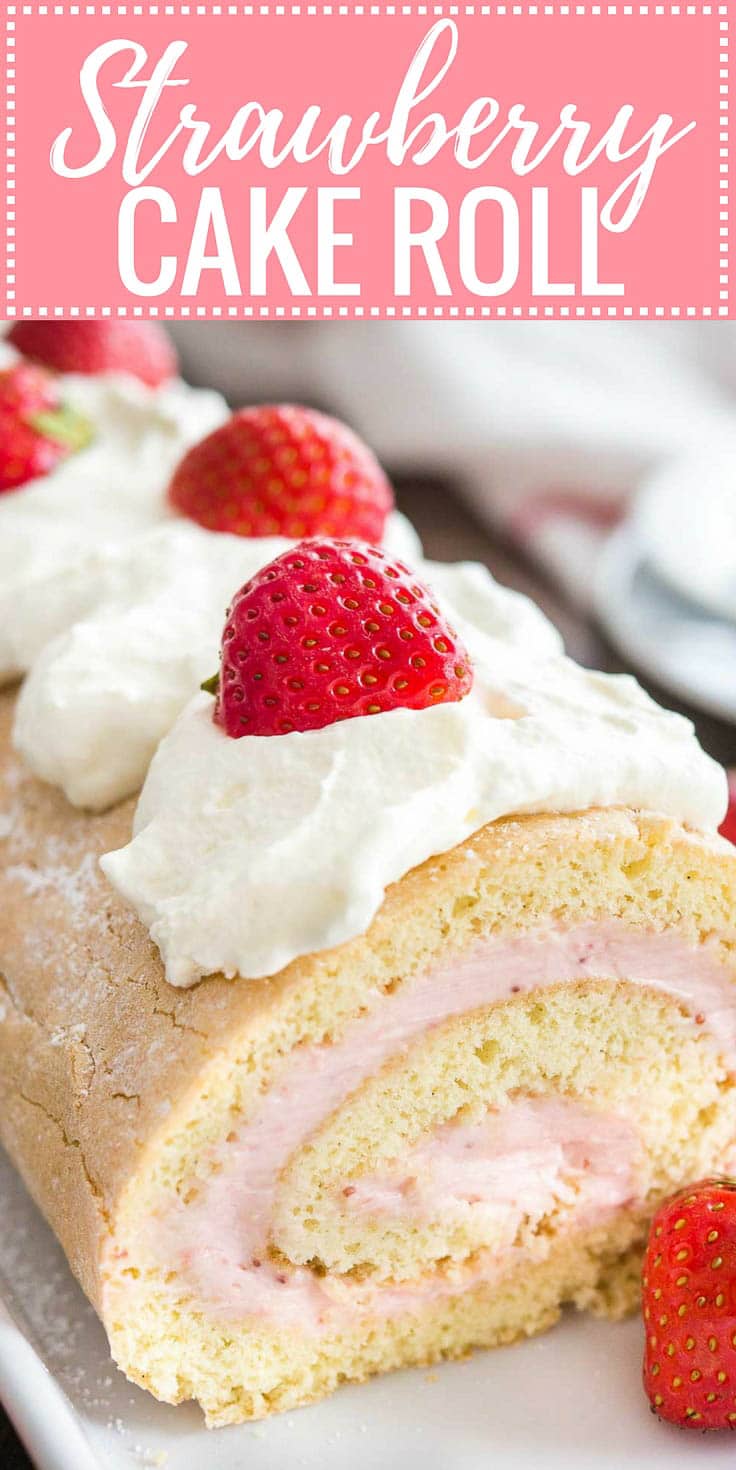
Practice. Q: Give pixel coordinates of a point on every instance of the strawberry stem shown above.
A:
(64, 425)
(211, 685)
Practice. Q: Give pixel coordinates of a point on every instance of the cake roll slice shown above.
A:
(463, 1051)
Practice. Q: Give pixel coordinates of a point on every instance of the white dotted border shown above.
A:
(324, 9)
(359, 312)
(723, 158)
(10, 162)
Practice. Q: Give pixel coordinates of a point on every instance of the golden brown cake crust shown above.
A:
(97, 1051)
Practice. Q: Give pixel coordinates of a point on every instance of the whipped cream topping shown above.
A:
(121, 639)
(111, 490)
(248, 853)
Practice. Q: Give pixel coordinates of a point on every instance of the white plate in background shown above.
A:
(665, 636)
(685, 522)
(569, 1400)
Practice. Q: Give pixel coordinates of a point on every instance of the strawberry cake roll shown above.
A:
(381, 1026)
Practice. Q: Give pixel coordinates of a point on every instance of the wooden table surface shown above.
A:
(450, 532)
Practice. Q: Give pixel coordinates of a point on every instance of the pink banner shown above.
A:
(367, 160)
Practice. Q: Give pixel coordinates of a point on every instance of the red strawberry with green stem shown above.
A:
(283, 471)
(328, 631)
(37, 429)
(142, 349)
(689, 1302)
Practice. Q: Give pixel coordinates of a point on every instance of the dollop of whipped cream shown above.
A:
(248, 853)
(119, 641)
(105, 493)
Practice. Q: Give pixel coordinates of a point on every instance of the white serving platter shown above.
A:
(570, 1400)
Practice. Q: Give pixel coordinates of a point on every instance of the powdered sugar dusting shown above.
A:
(71, 883)
(68, 1033)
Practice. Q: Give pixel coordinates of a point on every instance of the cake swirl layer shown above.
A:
(304, 1217)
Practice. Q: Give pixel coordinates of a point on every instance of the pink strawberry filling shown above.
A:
(510, 1164)
(535, 1155)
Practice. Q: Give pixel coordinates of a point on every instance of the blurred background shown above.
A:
(590, 464)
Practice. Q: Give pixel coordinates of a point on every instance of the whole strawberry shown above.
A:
(37, 430)
(328, 631)
(728, 825)
(142, 349)
(283, 471)
(25, 387)
(689, 1302)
